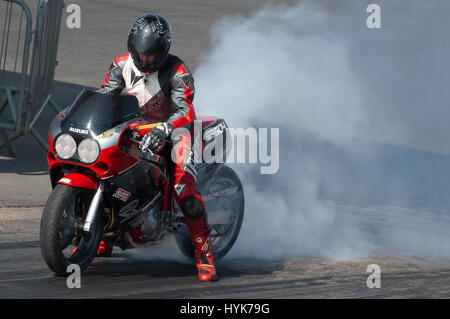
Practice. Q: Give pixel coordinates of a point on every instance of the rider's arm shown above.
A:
(182, 95)
(114, 82)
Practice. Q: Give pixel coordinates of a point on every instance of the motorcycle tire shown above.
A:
(222, 192)
(61, 241)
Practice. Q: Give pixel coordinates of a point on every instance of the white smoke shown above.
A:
(269, 67)
(302, 68)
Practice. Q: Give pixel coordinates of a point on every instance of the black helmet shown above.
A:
(151, 36)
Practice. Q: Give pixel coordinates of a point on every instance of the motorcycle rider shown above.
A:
(164, 88)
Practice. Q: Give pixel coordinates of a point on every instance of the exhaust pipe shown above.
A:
(93, 208)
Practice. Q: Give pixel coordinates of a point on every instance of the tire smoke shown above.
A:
(356, 175)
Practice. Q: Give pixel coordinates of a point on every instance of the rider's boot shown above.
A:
(204, 256)
(199, 230)
(201, 240)
(104, 250)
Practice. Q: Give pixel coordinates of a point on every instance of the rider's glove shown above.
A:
(155, 139)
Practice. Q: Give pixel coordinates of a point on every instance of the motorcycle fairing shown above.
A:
(80, 180)
(141, 189)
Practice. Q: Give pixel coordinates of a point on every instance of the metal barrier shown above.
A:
(36, 77)
(8, 66)
(44, 63)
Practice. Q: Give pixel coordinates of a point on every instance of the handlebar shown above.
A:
(147, 155)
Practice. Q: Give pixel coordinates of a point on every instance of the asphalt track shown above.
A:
(84, 56)
(162, 272)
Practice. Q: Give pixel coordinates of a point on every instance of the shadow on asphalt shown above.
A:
(137, 279)
(227, 268)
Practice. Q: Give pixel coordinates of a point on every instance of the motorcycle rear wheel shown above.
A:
(62, 243)
(224, 200)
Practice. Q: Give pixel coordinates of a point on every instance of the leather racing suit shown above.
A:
(166, 95)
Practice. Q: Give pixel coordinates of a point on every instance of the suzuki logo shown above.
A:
(78, 130)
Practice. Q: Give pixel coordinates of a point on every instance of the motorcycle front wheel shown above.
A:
(61, 239)
(224, 200)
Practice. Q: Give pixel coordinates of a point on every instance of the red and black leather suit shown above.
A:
(167, 95)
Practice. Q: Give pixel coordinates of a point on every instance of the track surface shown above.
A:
(136, 274)
(84, 57)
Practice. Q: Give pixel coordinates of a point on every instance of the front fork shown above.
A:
(94, 208)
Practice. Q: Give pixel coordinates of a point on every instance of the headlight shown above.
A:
(88, 150)
(65, 146)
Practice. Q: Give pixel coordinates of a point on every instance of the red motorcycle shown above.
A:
(104, 188)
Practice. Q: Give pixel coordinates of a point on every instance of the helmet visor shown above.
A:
(146, 62)
(146, 58)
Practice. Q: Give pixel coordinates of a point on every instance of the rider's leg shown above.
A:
(193, 208)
